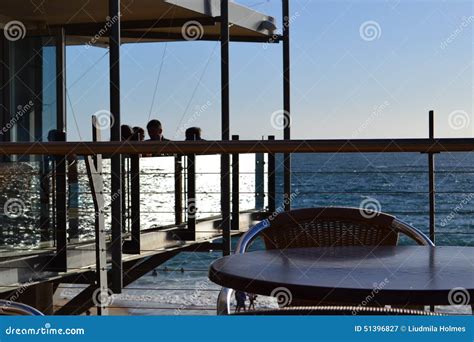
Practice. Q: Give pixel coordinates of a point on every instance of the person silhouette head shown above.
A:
(193, 134)
(155, 130)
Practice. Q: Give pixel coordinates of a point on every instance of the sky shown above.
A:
(360, 69)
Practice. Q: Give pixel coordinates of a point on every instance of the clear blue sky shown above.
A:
(344, 83)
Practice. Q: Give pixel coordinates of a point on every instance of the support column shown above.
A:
(271, 180)
(60, 165)
(432, 185)
(116, 163)
(286, 102)
(225, 114)
(235, 189)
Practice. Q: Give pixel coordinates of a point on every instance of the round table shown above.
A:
(398, 275)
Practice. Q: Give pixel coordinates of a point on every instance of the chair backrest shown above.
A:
(9, 308)
(331, 226)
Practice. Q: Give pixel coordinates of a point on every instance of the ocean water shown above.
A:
(390, 182)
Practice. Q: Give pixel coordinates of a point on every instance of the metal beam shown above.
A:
(93, 28)
(116, 164)
(143, 35)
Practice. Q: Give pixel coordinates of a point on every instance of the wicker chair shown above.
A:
(324, 227)
(8, 308)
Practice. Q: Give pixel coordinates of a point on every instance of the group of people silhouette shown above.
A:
(155, 132)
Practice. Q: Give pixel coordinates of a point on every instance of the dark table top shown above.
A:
(416, 275)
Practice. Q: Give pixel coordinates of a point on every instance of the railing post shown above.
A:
(271, 180)
(432, 185)
(125, 193)
(96, 183)
(60, 263)
(191, 209)
(45, 195)
(178, 189)
(73, 197)
(235, 189)
(135, 201)
(259, 181)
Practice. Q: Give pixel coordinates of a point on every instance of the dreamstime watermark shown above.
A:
(47, 329)
(21, 111)
(114, 196)
(104, 119)
(376, 113)
(192, 298)
(370, 30)
(465, 201)
(377, 287)
(102, 297)
(283, 296)
(192, 30)
(191, 208)
(14, 208)
(459, 119)
(14, 30)
(109, 22)
(287, 200)
(275, 37)
(280, 119)
(14, 297)
(459, 296)
(466, 21)
(196, 115)
(370, 208)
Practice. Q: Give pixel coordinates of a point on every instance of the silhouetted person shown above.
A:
(56, 135)
(138, 134)
(240, 299)
(252, 299)
(155, 131)
(193, 134)
(126, 132)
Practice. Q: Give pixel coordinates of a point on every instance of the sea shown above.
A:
(395, 183)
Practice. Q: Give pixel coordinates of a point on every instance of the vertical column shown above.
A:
(432, 185)
(191, 208)
(116, 163)
(286, 101)
(135, 201)
(178, 189)
(96, 183)
(61, 210)
(259, 181)
(225, 114)
(271, 180)
(235, 189)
